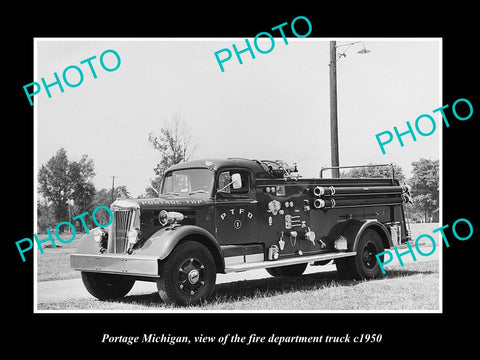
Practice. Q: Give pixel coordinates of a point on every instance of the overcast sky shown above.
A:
(275, 106)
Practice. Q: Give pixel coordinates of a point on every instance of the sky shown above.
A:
(275, 106)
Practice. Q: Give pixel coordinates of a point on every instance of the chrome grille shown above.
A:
(122, 222)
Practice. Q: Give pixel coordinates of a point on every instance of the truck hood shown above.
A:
(164, 202)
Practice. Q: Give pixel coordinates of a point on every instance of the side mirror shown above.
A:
(236, 181)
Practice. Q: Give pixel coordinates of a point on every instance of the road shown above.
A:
(58, 290)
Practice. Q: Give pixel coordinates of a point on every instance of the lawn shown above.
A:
(54, 263)
(414, 287)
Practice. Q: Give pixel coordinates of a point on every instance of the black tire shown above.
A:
(364, 264)
(273, 271)
(107, 286)
(343, 268)
(188, 276)
(287, 271)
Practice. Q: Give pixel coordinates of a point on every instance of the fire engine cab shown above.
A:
(231, 215)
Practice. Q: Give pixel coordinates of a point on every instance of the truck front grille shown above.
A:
(122, 222)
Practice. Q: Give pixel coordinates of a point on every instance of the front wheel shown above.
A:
(107, 286)
(188, 275)
(364, 264)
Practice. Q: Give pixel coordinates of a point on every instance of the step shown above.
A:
(288, 261)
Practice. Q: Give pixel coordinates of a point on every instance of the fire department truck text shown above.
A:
(432, 240)
(241, 339)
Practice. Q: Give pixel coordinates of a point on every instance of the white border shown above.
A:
(186, 311)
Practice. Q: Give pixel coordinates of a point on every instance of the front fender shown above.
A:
(86, 245)
(162, 242)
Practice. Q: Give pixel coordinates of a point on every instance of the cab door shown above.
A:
(235, 208)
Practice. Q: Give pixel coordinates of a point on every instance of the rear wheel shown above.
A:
(364, 264)
(188, 275)
(287, 271)
(107, 286)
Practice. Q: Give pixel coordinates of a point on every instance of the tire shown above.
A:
(364, 264)
(107, 286)
(287, 271)
(188, 276)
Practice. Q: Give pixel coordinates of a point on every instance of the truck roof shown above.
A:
(253, 165)
(261, 171)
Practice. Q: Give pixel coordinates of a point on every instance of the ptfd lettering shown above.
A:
(410, 251)
(226, 54)
(425, 124)
(73, 75)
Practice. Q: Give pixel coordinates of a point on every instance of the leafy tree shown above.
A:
(45, 216)
(54, 183)
(103, 197)
(375, 172)
(425, 186)
(63, 182)
(154, 184)
(83, 190)
(175, 146)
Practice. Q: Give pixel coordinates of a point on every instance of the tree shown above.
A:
(425, 186)
(61, 181)
(45, 216)
(375, 172)
(103, 197)
(153, 187)
(54, 183)
(83, 190)
(175, 146)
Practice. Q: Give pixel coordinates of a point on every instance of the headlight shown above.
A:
(169, 217)
(163, 217)
(97, 234)
(132, 236)
(174, 217)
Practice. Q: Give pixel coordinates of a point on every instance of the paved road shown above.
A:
(61, 290)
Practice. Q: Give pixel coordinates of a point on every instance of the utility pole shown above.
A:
(113, 186)
(333, 109)
(333, 100)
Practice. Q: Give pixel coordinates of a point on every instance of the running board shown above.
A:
(284, 262)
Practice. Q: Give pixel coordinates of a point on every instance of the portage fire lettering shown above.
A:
(232, 215)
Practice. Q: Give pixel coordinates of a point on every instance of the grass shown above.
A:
(412, 287)
(54, 263)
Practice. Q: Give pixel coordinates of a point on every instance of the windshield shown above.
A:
(188, 182)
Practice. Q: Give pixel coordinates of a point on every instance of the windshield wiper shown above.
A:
(197, 192)
(172, 193)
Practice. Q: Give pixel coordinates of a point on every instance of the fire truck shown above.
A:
(220, 216)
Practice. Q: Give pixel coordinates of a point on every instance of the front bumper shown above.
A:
(145, 266)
